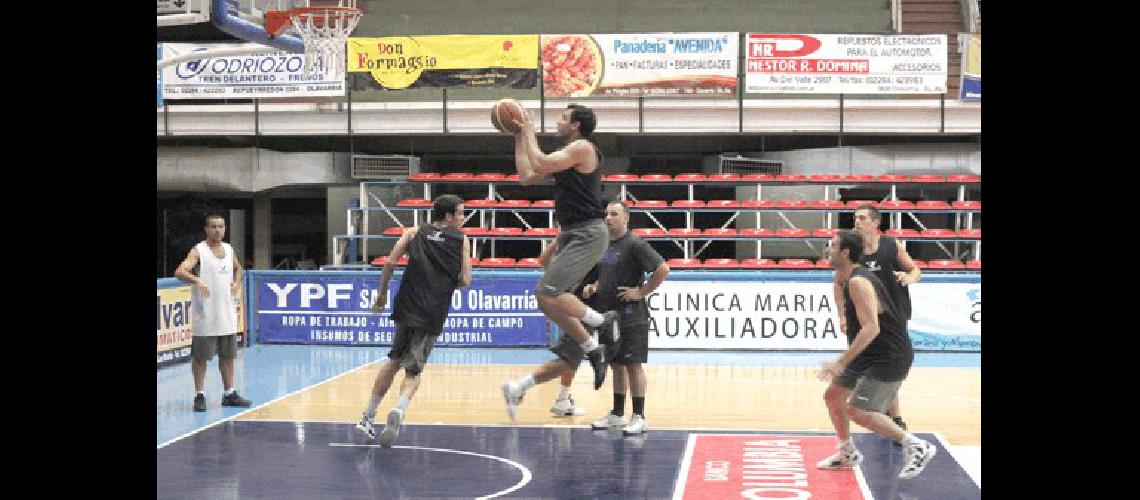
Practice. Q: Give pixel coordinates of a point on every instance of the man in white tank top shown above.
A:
(214, 302)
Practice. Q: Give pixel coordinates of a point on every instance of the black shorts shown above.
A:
(634, 344)
(411, 347)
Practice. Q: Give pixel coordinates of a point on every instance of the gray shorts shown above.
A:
(867, 392)
(580, 247)
(412, 348)
(203, 348)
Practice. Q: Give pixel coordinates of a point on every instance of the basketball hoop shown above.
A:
(324, 30)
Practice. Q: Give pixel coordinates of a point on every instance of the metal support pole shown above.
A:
(445, 110)
(942, 113)
(641, 115)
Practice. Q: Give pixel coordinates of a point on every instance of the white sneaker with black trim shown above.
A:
(566, 408)
(635, 426)
(846, 456)
(917, 458)
(608, 421)
(365, 426)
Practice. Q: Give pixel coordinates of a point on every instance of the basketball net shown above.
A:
(325, 31)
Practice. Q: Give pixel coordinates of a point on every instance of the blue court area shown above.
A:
(251, 459)
(267, 372)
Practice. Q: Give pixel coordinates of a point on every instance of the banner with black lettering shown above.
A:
(311, 308)
(262, 74)
(475, 61)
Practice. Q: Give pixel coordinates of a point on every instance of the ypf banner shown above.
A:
(493, 311)
(647, 64)
(269, 73)
(845, 64)
(405, 62)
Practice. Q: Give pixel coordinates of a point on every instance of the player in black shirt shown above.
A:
(888, 259)
(867, 376)
(438, 262)
(582, 238)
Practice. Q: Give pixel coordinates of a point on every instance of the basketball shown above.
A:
(503, 112)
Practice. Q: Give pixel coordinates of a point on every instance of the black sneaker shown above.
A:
(899, 422)
(598, 363)
(200, 402)
(235, 400)
(609, 332)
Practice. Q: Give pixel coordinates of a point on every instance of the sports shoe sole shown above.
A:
(576, 412)
(512, 411)
(391, 429)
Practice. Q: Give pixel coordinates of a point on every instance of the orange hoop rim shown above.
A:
(277, 20)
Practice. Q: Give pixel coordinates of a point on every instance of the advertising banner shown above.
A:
(265, 74)
(971, 87)
(173, 323)
(647, 64)
(845, 64)
(334, 310)
(474, 61)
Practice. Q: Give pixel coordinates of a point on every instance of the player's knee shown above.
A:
(413, 370)
(858, 415)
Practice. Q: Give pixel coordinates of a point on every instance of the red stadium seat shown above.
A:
(722, 204)
(858, 178)
(793, 204)
(651, 204)
(394, 231)
(945, 264)
(758, 177)
(512, 178)
(655, 178)
(928, 178)
(683, 231)
(824, 232)
(542, 204)
(415, 202)
(893, 178)
(757, 204)
(791, 178)
(937, 233)
(963, 178)
(794, 264)
(621, 177)
(479, 203)
(506, 231)
(853, 204)
(514, 203)
(970, 233)
(788, 232)
(684, 263)
(823, 264)
(381, 260)
(720, 264)
(825, 178)
(903, 233)
(757, 232)
(541, 231)
(973, 264)
(896, 205)
(432, 176)
(932, 205)
(490, 177)
(649, 232)
(497, 262)
(921, 264)
(724, 177)
(459, 176)
(528, 262)
(691, 177)
(758, 264)
(689, 204)
(474, 231)
(967, 205)
(717, 232)
(828, 204)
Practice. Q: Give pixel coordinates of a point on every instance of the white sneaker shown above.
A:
(392, 428)
(917, 457)
(513, 397)
(636, 425)
(365, 426)
(608, 421)
(844, 457)
(566, 408)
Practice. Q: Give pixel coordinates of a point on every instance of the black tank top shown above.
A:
(577, 196)
(435, 258)
(891, 351)
(884, 262)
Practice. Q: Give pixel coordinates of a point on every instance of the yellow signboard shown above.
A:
(443, 61)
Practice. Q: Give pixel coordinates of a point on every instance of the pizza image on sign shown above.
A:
(571, 65)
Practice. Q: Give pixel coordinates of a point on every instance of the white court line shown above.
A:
(683, 472)
(863, 487)
(730, 431)
(526, 472)
(231, 417)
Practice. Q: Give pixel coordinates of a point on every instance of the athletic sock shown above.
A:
(526, 383)
(619, 404)
(564, 392)
(592, 318)
(372, 404)
(589, 345)
(403, 404)
(639, 405)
